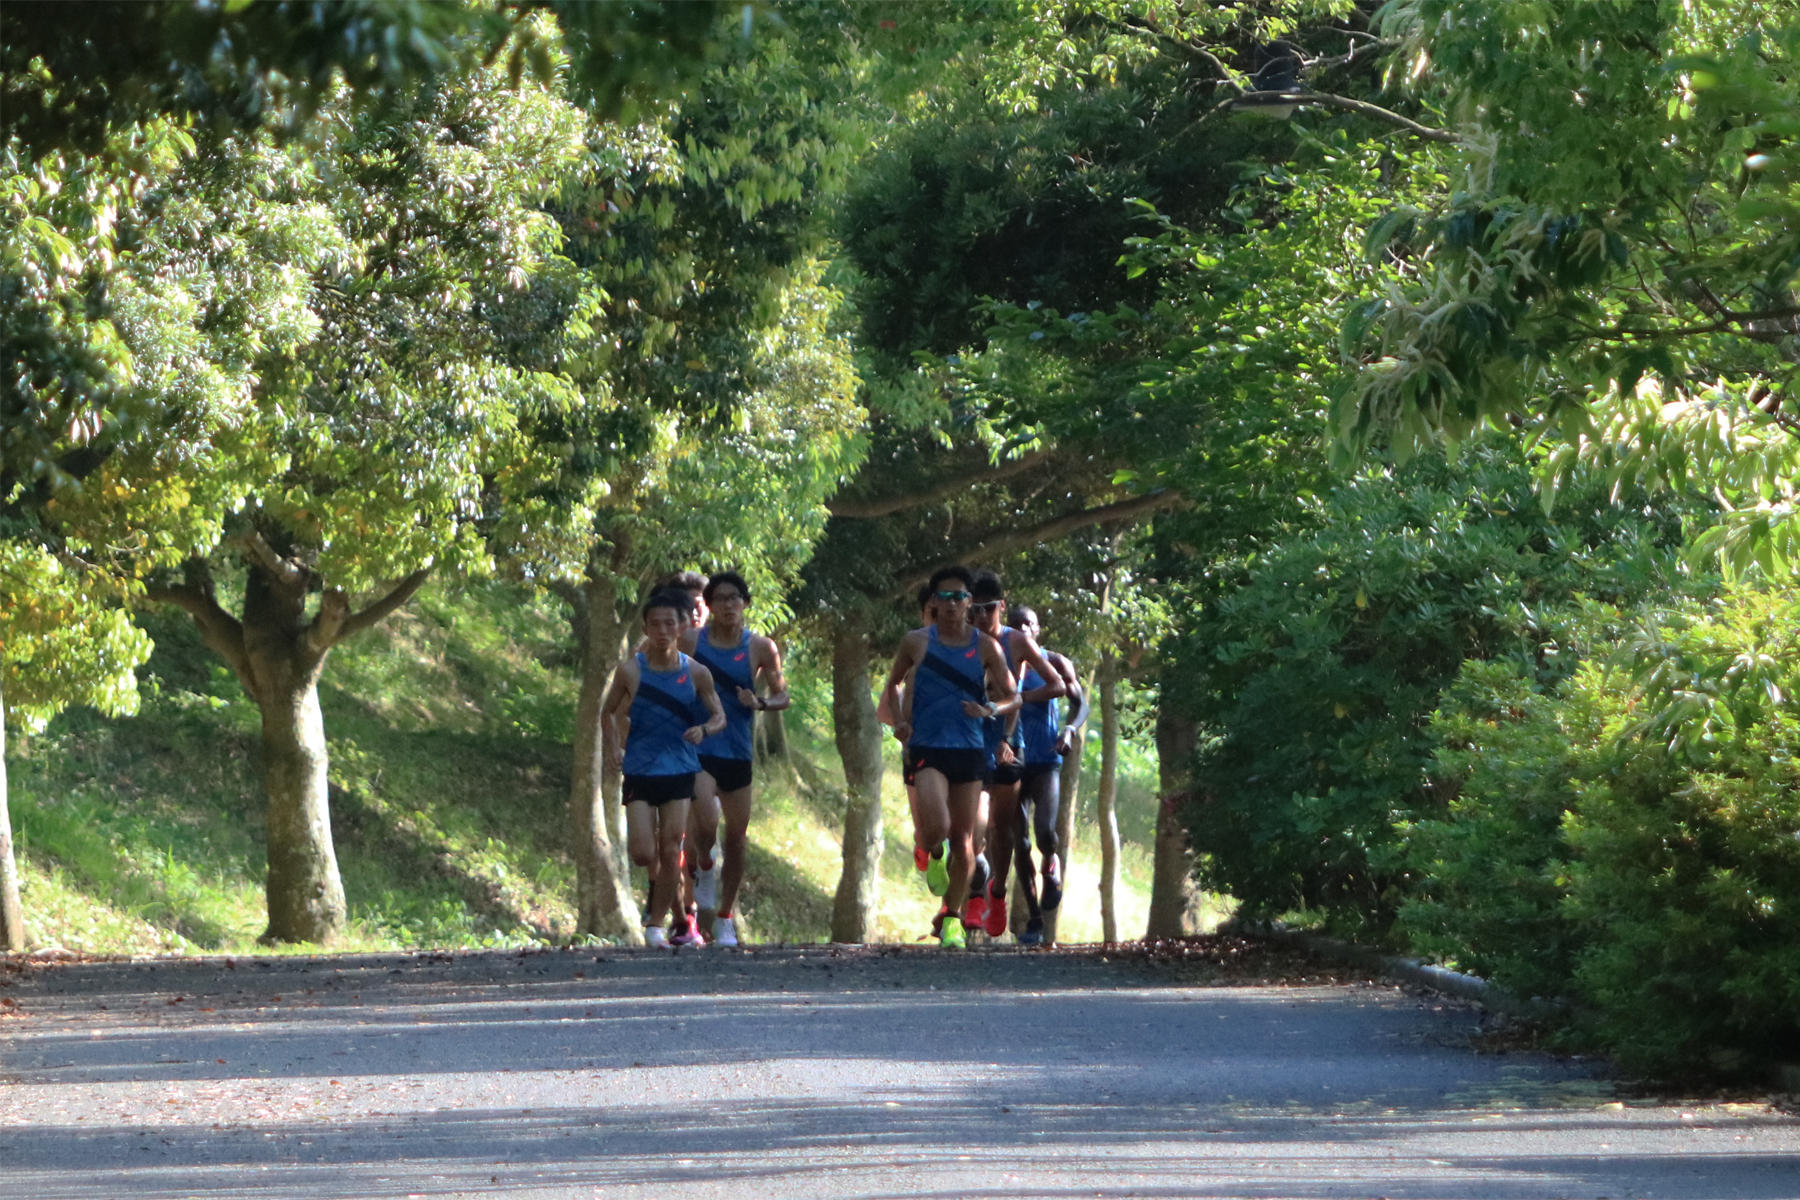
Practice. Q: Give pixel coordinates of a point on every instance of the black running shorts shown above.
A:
(730, 774)
(656, 790)
(956, 766)
(1005, 773)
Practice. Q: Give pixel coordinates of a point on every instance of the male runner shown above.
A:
(1047, 738)
(658, 692)
(1006, 767)
(694, 584)
(690, 586)
(959, 677)
(737, 659)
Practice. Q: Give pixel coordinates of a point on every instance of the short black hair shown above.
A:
(986, 586)
(674, 598)
(685, 581)
(952, 571)
(1015, 616)
(731, 577)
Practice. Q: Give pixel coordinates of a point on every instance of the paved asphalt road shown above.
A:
(810, 1073)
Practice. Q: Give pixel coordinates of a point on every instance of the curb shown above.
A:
(1784, 1077)
(1406, 970)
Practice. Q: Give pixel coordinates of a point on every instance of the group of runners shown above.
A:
(974, 700)
(975, 704)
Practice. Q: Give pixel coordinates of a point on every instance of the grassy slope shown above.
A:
(449, 735)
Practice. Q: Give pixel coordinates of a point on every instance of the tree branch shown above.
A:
(869, 509)
(222, 632)
(286, 571)
(1047, 531)
(355, 623)
(1327, 100)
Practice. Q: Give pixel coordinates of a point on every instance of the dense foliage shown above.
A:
(1632, 849)
(303, 304)
(1317, 673)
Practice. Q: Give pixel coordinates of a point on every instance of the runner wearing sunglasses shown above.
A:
(959, 678)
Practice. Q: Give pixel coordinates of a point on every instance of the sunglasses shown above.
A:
(953, 597)
(986, 606)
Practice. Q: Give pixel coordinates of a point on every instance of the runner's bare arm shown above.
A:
(1003, 697)
(1078, 702)
(905, 659)
(1032, 655)
(709, 696)
(615, 711)
(765, 656)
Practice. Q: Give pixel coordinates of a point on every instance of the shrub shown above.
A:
(1684, 883)
(1322, 670)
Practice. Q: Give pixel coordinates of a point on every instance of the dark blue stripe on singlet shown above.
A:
(731, 669)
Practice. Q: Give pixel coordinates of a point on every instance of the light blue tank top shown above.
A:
(1039, 723)
(944, 678)
(663, 709)
(731, 669)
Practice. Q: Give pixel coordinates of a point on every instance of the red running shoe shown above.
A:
(975, 912)
(921, 857)
(996, 915)
(1052, 890)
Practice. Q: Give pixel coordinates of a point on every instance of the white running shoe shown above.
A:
(655, 938)
(706, 884)
(724, 932)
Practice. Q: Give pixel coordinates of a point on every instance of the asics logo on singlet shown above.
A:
(681, 679)
(969, 653)
(739, 656)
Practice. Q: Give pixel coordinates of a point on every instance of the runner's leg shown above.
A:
(734, 809)
(671, 832)
(640, 841)
(963, 802)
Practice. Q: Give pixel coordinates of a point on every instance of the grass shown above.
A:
(449, 733)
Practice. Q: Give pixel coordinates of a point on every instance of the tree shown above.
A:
(734, 400)
(93, 123)
(384, 442)
(1616, 273)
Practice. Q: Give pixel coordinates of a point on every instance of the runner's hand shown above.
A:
(903, 732)
(972, 709)
(1065, 741)
(746, 697)
(695, 734)
(1008, 755)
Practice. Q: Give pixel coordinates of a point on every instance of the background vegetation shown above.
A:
(1415, 472)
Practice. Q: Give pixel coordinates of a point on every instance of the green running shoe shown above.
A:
(952, 937)
(937, 872)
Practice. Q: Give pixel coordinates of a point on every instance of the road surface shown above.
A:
(818, 1072)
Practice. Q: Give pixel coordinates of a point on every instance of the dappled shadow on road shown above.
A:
(906, 1144)
(796, 1073)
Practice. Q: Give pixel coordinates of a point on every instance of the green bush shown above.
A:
(1319, 674)
(1491, 871)
(1684, 880)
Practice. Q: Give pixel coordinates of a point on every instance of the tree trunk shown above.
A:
(284, 661)
(1171, 892)
(603, 903)
(278, 656)
(858, 736)
(1066, 824)
(771, 738)
(12, 912)
(305, 891)
(1109, 794)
